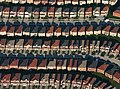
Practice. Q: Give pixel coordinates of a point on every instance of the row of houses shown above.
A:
(59, 80)
(60, 30)
(52, 11)
(61, 2)
(40, 44)
(116, 13)
(109, 70)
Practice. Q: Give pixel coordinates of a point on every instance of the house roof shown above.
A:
(34, 29)
(51, 9)
(23, 62)
(46, 42)
(114, 46)
(90, 28)
(33, 62)
(44, 77)
(29, 9)
(28, 42)
(5, 62)
(117, 74)
(105, 8)
(19, 29)
(36, 10)
(44, 9)
(74, 29)
(58, 29)
(69, 77)
(58, 77)
(115, 29)
(19, 42)
(89, 9)
(103, 66)
(66, 10)
(82, 29)
(27, 29)
(73, 9)
(15, 77)
(42, 30)
(10, 42)
(92, 81)
(107, 28)
(42, 63)
(64, 63)
(37, 42)
(25, 77)
(87, 80)
(75, 61)
(70, 62)
(117, 11)
(6, 77)
(66, 29)
(83, 64)
(92, 64)
(59, 62)
(75, 78)
(3, 28)
(111, 69)
(6, 9)
(11, 29)
(14, 9)
(1, 8)
(14, 62)
(102, 85)
(51, 29)
(21, 9)
(64, 42)
(34, 77)
(2, 41)
(55, 42)
(59, 9)
(60, 0)
(51, 63)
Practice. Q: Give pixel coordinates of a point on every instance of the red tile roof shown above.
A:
(35, 77)
(29, 42)
(74, 29)
(89, 9)
(33, 63)
(11, 30)
(2, 41)
(7, 9)
(51, 9)
(6, 77)
(70, 63)
(3, 28)
(51, 29)
(58, 29)
(14, 62)
(103, 66)
(107, 28)
(56, 43)
(19, 29)
(21, 9)
(42, 63)
(75, 63)
(16, 76)
(82, 29)
(90, 28)
(117, 74)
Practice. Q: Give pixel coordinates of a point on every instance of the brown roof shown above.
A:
(82, 29)
(58, 29)
(19, 29)
(21, 9)
(76, 77)
(3, 28)
(86, 81)
(105, 8)
(58, 76)
(117, 11)
(92, 81)
(16, 76)
(7, 9)
(70, 63)
(35, 77)
(59, 62)
(14, 62)
(2, 41)
(107, 28)
(6, 77)
(51, 29)
(72, 43)
(74, 29)
(87, 43)
(115, 29)
(11, 30)
(33, 63)
(56, 43)
(103, 66)
(47, 43)
(89, 9)
(117, 74)
(101, 86)
(51, 9)
(42, 63)
(75, 63)
(118, 48)
(90, 28)
(29, 42)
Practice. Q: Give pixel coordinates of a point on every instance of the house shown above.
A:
(75, 2)
(58, 79)
(6, 12)
(114, 31)
(28, 43)
(97, 1)
(81, 12)
(42, 64)
(22, 1)
(89, 31)
(52, 2)
(51, 12)
(10, 44)
(13, 12)
(73, 31)
(96, 11)
(32, 64)
(55, 44)
(20, 12)
(2, 44)
(64, 44)
(60, 2)
(43, 12)
(92, 65)
(50, 31)
(65, 31)
(68, 79)
(46, 44)
(37, 44)
(88, 12)
(4, 63)
(89, 1)
(69, 64)
(57, 31)
(25, 78)
(105, 1)
(82, 65)
(14, 63)
(116, 76)
(104, 11)
(44, 2)
(18, 31)
(65, 12)
(116, 13)
(110, 71)
(58, 12)
(92, 81)
(34, 30)
(28, 12)
(36, 2)
(3, 30)
(67, 1)
(64, 64)
(86, 81)
(34, 78)
(51, 64)
(81, 2)
(15, 1)
(73, 12)
(42, 31)
(23, 63)
(102, 67)
(98, 30)
(63, 79)
(113, 48)
(44, 79)
(106, 30)
(29, 1)
(112, 2)
(75, 80)
(59, 64)
(74, 66)
(5, 79)
(102, 85)
(1, 8)
(15, 78)
(81, 31)
(102, 47)
(52, 79)
(10, 31)
(19, 44)
(36, 13)
(26, 31)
